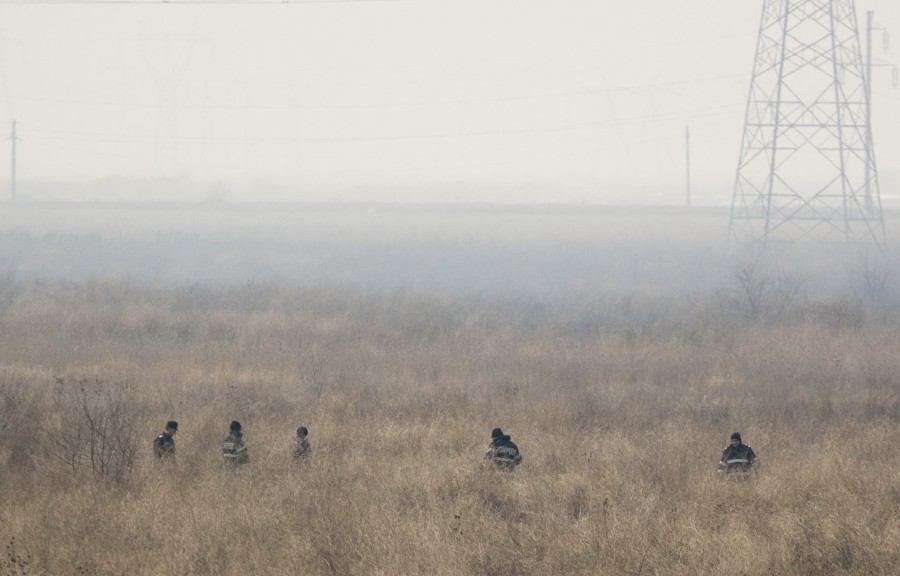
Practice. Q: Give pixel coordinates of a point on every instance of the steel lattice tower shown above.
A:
(807, 168)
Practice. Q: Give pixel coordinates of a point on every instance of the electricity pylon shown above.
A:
(807, 167)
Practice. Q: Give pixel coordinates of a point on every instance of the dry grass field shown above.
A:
(619, 359)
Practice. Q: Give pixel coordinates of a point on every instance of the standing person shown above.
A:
(502, 451)
(164, 444)
(301, 443)
(233, 448)
(738, 459)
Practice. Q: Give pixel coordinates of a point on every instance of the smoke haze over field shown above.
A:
(463, 250)
(560, 254)
(416, 101)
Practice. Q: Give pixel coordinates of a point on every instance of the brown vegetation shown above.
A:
(621, 424)
(618, 351)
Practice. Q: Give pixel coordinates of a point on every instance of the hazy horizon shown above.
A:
(363, 100)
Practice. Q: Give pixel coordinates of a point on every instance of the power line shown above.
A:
(210, 2)
(46, 134)
(589, 91)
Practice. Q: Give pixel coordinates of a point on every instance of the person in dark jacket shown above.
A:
(738, 459)
(164, 444)
(502, 451)
(233, 449)
(301, 443)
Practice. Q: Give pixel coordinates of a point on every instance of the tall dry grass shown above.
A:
(621, 405)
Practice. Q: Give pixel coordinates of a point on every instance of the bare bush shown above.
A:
(21, 409)
(93, 428)
(874, 282)
(760, 294)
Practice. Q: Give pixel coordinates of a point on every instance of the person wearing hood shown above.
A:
(502, 451)
(738, 458)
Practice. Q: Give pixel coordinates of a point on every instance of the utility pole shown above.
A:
(870, 159)
(12, 181)
(687, 152)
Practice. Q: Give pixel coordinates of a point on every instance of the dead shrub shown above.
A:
(93, 429)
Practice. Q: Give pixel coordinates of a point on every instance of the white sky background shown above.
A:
(560, 96)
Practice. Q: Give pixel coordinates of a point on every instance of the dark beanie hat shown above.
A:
(172, 424)
(302, 431)
(496, 433)
(235, 425)
(736, 436)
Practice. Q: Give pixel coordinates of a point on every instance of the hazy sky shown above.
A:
(589, 94)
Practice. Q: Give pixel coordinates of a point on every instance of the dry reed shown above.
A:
(621, 414)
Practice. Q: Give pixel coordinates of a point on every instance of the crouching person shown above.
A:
(301, 444)
(502, 451)
(233, 449)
